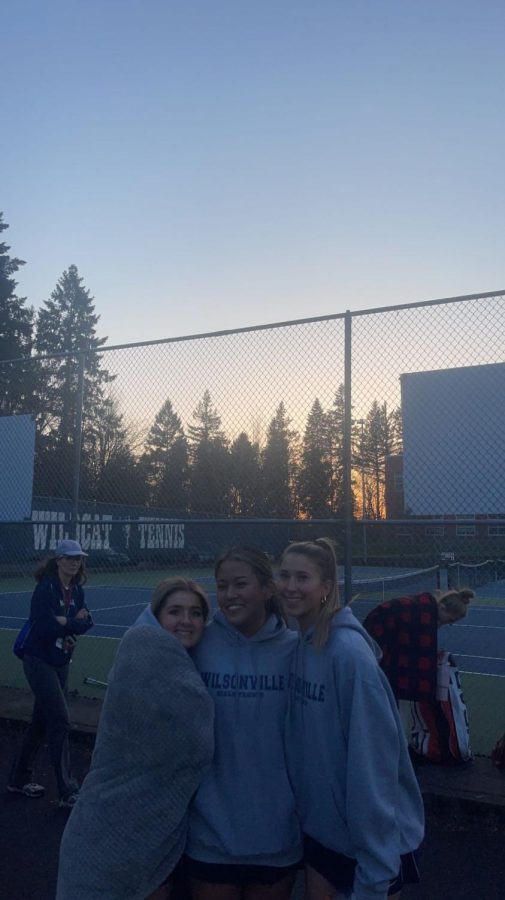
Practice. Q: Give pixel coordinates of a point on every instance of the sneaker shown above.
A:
(68, 802)
(29, 790)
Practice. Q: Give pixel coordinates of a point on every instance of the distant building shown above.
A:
(454, 441)
(448, 485)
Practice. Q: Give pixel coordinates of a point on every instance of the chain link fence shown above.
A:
(383, 429)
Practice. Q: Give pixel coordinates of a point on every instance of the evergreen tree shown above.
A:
(359, 463)
(245, 476)
(17, 380)
(382, 437)
(209, 423)
(336, 452)
(110, 471)
(397, 430)
(166, 460)
(277, 467)
(66, 324)
(315, 476)
(209, 471)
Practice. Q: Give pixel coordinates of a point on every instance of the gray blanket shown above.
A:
(127, 831)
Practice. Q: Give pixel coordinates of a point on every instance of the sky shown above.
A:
(214, 164)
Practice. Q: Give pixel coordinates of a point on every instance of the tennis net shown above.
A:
(379, 589)
(475, 574)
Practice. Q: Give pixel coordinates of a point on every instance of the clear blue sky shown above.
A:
(210, 164)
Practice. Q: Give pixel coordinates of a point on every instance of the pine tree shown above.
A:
(277, 467)
(245, 476)
(210, 470)
(66, 324)
(17, 380)
(110, 471)
(209, 423)
(382, 437)
(314, 480)
(336, 451)
(166, 461)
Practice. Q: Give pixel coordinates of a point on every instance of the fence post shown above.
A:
(347, 473)
(78, 444)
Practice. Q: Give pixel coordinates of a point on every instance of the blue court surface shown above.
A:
(478, 642)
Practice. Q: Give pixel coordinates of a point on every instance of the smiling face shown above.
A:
(302, 589)
(182, 615)
(241, 596)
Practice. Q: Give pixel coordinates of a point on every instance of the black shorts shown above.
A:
(224, 873)
(339, 869)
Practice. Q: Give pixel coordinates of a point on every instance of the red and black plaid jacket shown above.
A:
(406, 631)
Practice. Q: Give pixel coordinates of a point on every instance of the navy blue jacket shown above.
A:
(45, 640)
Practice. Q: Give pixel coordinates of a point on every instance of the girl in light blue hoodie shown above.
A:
(357, 796)
(244, 839)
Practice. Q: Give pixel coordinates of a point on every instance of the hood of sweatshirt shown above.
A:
(269, 631)
(345, 619)
(146, 617)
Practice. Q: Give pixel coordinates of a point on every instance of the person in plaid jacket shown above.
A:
(406, 630)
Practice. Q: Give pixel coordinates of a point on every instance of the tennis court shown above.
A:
(120, 596)
(477, 642)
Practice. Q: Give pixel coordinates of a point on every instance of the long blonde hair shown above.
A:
(454, 601)
(323, 554)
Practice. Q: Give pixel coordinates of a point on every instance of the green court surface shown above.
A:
(92, 659)
(485, 700)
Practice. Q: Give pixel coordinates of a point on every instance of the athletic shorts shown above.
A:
(339, 869)
(224, 873)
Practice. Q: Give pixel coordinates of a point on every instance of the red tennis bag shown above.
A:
(440, 732)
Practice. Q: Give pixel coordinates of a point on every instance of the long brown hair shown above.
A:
(262, 568)
(49, 569)
(323, 554)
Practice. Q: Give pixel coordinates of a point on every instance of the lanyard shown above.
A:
(67, 596)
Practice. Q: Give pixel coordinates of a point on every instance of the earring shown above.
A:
(323, 600)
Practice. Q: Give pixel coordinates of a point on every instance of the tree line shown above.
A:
(195, 469)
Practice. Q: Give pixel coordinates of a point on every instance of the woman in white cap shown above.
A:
(58, 613)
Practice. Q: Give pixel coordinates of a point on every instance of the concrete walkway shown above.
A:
(477, 787)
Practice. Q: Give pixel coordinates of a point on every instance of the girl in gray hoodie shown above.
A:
(357, 796)
(244, 840)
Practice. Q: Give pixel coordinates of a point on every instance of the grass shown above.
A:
(485, 700)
